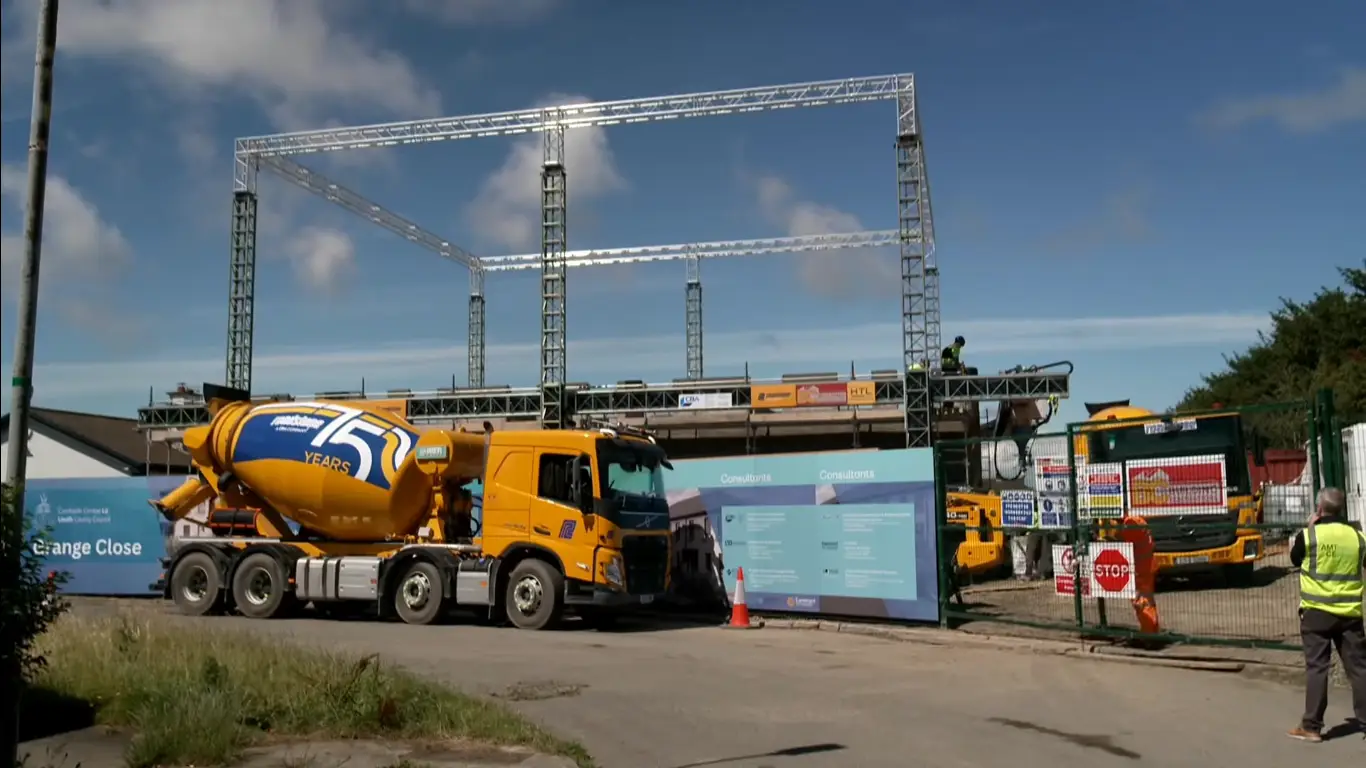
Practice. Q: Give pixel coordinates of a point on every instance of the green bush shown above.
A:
(30, 593)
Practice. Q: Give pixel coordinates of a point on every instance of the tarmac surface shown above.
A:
(695, 697)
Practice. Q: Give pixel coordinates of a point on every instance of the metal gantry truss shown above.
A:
(914, 235)
(443, 406)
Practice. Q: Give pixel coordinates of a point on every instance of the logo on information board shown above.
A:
(42, 509)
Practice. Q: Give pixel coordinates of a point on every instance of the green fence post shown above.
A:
(940, 518)
(1077, 607)
(1315, 475)
(1331, 453)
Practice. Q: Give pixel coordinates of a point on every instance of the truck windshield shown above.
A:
(633, 483)
(1183, 437)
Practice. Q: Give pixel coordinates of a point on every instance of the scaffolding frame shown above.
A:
(914, 234)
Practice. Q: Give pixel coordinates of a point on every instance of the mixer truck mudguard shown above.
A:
(349, 507)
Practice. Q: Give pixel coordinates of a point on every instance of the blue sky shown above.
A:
(1128, 186)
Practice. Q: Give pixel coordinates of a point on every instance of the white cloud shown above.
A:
(1313, 111)
(506, 212)
(322, 257)
(841, 274)
(468, 12)
(78, 245)
(428, 363)
(289, 55)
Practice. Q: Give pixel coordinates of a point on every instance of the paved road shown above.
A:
(695, 697)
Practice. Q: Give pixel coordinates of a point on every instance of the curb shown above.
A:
(1078, 649)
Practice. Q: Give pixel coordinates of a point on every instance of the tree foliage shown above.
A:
(29, 601)
(1320, 343)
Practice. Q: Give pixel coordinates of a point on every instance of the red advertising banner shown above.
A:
(827, 395)
(1189, 485)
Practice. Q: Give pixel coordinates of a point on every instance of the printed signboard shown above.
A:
(860, 393)
(831, 394)
(701, 400)
(773, 396)
(1188, 485)
(1102, 491)
(101, 531)
(1112, 570)
(1065, 572)
(849, 534)
(1052, 475)
(1053, 482)
(1017, 509)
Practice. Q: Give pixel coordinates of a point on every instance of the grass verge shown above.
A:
(197, 696)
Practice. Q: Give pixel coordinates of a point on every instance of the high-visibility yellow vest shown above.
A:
(1331, 574)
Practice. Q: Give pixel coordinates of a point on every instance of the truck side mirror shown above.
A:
(583, 481)
(1258, 448)
(580, 482)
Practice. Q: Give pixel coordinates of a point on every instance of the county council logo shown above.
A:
(42, 509)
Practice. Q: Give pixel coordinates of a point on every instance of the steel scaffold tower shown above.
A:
(474, 350)
(553, 272)
(692, 315)
(919, 274)
(915, 233)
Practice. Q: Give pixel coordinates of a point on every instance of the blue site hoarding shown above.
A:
(101, 531)
(849, 534)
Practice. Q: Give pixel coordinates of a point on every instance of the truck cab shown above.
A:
(1228, 541)
(591, 502)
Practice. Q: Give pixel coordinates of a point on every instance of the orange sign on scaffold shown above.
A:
(773, 396)
(861, 393)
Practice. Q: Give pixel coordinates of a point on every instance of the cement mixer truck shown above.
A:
(572, 520)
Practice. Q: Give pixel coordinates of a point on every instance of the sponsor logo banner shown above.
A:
(700, 400)
(773, 396)
(825, 395)
(861, 393)
(1190, 485)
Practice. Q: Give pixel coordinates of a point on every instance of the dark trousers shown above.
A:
(1321, 633)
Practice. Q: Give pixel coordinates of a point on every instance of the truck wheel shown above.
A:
(260, 587)
(419, 597)
(197, 585)
(535, 595)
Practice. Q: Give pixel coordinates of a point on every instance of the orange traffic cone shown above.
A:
(739, 612)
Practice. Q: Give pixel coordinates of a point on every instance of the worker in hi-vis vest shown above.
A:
(1331, 556)
(951, 360)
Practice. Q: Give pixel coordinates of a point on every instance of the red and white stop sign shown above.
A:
(1112, 570)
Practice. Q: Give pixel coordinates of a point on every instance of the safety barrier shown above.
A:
(1169, 527)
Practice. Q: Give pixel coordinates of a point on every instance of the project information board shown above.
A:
(845, 534)
(858, 550)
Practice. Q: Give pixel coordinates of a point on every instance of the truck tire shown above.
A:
(419, 596)
(535, 595)
(197, 585)
(260, 587)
